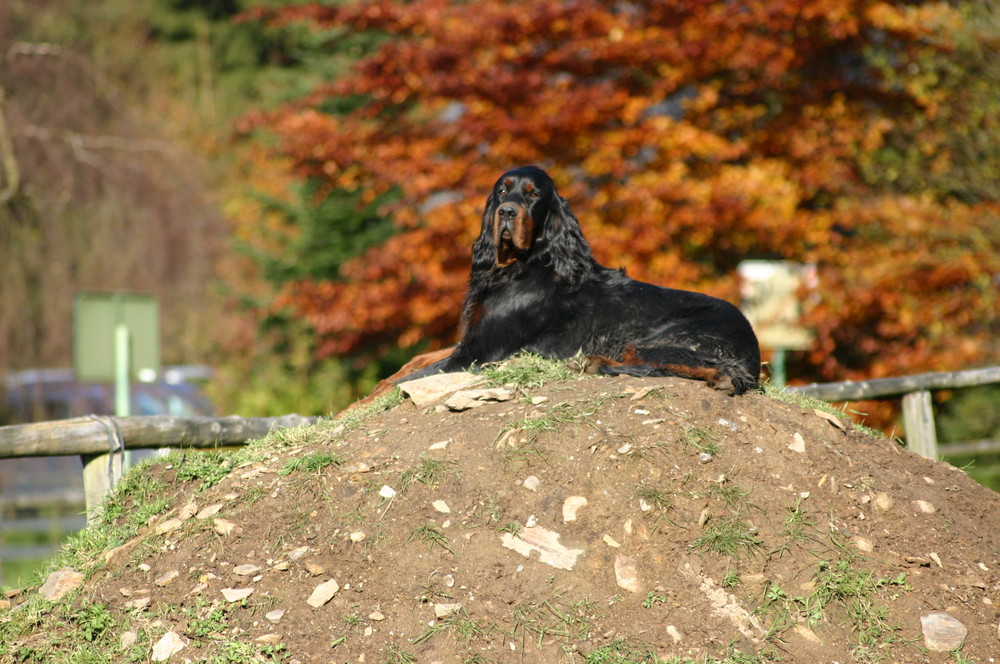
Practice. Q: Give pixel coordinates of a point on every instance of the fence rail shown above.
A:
(918, 411)
(95, 437)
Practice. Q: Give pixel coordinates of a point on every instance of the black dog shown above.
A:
(536, 286)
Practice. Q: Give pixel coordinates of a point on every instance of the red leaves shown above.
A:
(687, 137)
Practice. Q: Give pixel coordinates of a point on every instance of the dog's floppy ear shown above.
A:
(484, 251)
(561, 244)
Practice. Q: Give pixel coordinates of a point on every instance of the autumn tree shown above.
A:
(688, 136)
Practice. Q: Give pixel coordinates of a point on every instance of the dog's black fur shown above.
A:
(536, 286)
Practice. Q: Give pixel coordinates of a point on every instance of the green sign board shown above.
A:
(97, 317)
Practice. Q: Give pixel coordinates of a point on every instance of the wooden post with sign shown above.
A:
(116, 337)
(772, 303)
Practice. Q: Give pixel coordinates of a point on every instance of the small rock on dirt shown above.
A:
(58, 584)
(169, 644)
(236, 594)
(627, 574)
(444, 610)
(571, 506)
(466, 399)
(942, 632)
(425, 391)
(323, 593)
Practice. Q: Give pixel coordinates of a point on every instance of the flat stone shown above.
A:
(167, 579)
(59, 584)
(323, 593)
(571, 506)
(245, 570)
(545, 543)
(209, 511)
(168, 525)
(425, 391)
(445, 610)
(466, 399)
(942, 633)
(169, 644)
(627, 573)
(236, 594)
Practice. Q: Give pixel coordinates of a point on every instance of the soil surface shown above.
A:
(587, 520)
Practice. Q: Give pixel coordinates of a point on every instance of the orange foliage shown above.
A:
(687, 136)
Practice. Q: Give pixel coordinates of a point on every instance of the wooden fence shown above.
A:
(100, 440)
(918, 413)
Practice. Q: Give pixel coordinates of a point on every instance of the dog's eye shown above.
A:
(502, 191)
(534, 194)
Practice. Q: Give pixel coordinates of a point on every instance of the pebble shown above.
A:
(798, 443)
(169, 644)
(444, 610)
(209, 511)
(168, 525)
(627, 574)
(571, 506)
(167, 579)
(275, 616)
(236, 594)
(245, 570)
(323, 593)
(441, 507)
(531, 483)
(224, 527)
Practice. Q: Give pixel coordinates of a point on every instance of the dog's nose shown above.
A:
(507, 212)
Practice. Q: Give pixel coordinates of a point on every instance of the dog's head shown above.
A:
(527, 220)
(517, 210)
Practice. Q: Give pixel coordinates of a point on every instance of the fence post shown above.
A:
(918, 418)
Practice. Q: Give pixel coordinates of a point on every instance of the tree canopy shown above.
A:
(687, 136)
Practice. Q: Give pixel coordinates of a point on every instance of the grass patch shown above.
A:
(701, 439)
(431, 535)
(526, 371)
(729, 537)
(311, 463)
(429, 471)
(803, 401)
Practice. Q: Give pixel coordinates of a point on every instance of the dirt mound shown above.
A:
(588, 520)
